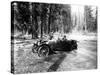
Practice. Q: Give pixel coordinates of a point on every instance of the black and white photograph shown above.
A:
(53, 37)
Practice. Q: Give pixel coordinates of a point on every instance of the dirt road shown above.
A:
(27, 62)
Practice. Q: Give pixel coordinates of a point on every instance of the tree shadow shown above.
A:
(55, 59)
(55, 66)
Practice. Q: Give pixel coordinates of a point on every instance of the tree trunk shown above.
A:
(42, 29)
(49, 19)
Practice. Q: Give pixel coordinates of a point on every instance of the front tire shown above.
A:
(43, 51)
(35, 48)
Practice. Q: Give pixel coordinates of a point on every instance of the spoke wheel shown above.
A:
(43, 51)
(34, 49)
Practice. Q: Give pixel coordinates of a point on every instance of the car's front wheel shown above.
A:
(43, 51)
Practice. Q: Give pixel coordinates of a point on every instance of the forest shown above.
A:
(38, 19)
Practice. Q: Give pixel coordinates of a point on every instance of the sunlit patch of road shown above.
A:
(86, 57)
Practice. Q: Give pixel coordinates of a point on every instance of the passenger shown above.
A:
(51, 35)
(64, 38)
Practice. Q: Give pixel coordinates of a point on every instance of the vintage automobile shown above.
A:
(44, 48)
